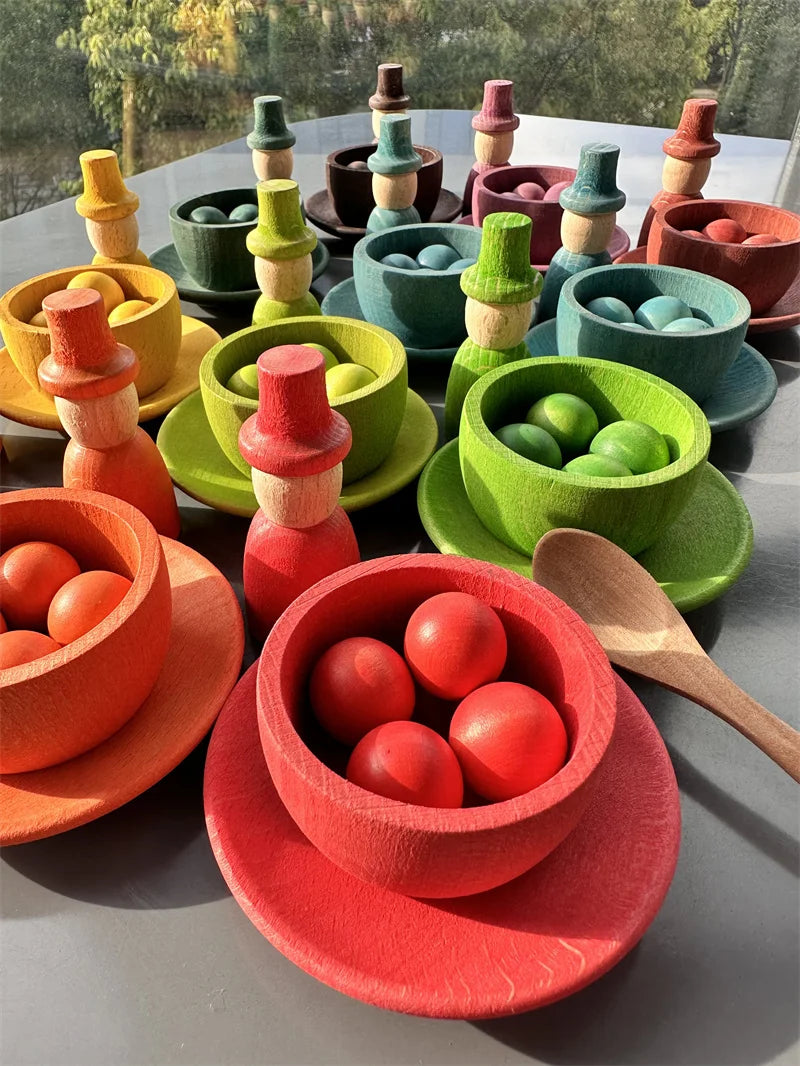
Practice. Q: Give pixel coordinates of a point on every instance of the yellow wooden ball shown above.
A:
(127, 310)
(109, 289)
(345, 378)
(38, 319)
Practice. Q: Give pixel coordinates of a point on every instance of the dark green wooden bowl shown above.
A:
(375, 412)
(215, 256)
(694, 362)
(519, 500)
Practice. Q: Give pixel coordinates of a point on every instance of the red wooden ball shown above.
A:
(407, 761)
(30, 576)
(694, 233)
(358, 684)
(509, 739)
(83, 603)
(18, 646)
(455, 642)
(725, 230)
(3, 626)
(762, 238)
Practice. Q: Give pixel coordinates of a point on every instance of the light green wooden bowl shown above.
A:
(374, 412)
(519, 500)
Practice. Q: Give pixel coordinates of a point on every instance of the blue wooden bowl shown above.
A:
(423, 308)
(693, 362)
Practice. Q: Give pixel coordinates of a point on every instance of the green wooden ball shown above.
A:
(327, 354)
(208, 216)
(244, 213)
(244, 382)
(597, 466)
(345, 378)
(532, 442)
(567, 418)
(634, 444)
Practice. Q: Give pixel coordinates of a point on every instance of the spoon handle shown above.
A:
(713, 689)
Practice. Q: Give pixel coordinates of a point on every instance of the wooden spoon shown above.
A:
(641, 631)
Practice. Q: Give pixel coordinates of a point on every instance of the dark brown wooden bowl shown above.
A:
(351, 190)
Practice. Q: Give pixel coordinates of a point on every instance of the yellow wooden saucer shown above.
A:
(21, 403)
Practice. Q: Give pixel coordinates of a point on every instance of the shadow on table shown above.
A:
(784, 344)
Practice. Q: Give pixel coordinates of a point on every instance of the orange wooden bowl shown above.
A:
(65, 703)
(763, 272)
(155, 334)
(424, 851)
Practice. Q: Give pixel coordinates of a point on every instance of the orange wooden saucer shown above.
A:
(539, 938)
(201, 666)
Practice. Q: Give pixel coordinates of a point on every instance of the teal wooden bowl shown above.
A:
(215, 256)
(424, 308)
(693, 362)
(519, 500)
(374, 412)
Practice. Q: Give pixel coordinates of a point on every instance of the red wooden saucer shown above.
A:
(531, 942)
(203, 660)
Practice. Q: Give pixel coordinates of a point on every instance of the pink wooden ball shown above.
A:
(358, 684)
(530, 190)
(726, 231)
(455, 642)
(508, 738)
(511, 194)
(762, 238)
(555, 191)
(407, 761)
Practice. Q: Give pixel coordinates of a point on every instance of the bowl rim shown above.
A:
(490, 175)
(174, 216)
(472, 417)
(150, 552)
(332, 162)
(361, 249)
(704, 241)
(740, 318)
(319, 778)
(208, 373)
(6, 316)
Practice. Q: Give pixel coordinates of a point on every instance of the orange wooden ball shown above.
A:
(693, 233)
(762, 238)
(508, 738)
(726, 230)
(454, 642)
(18, 646)
(84, 602)
(30, 575)
(3, 626)
(407, 761)
(358, 684)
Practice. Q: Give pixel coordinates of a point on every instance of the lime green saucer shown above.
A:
(197, 464)
(697, 559)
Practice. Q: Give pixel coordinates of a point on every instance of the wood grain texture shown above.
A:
(497, 108)
(641, 631)
(389, 93)
(414, 850)
(66, 703)
(154, 335)
(297, 502)
(204, 656)
(470, 363)
(284, 280)
(216, 257)
(693, 362)
(105, 196)
(277, 164)
(375, 412)
(267, 310)
(542, 937)
(117, 240)
(563, 266)
(545, 216)
(350, 191)
(762, 272)
(423, 308)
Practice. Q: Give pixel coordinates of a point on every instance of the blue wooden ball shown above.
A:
(686, 325)
(437, 257)
(207, 215)
(611, 308)
(400, 261)
(460, 264)
(659, 311)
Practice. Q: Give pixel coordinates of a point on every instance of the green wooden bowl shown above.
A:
(424, 308)
(694, 362)
(374, 412)
(215, 256)
(519, 500)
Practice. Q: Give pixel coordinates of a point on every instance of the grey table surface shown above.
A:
(121, 945)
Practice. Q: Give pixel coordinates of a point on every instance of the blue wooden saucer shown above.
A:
(743, 393)
(342, 301)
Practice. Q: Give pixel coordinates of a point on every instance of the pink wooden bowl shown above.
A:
(423, 851)
(66, 703)
(762, 272)
(545, 215)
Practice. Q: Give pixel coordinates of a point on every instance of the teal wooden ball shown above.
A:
(685, 325)
(244, 213)
(437, 257)
(208, 216)
(634, 444)
(532, 442)
(597, 466)
(658, 311)
(609, 307)
(459, 265)
(400, 261)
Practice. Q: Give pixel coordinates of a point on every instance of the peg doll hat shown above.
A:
(594, 190)
(503, 273)
(281, 232)
(395, 153)
(497, 111)
(389, 94)
(694, 137)
(105, 197)
(270, 132)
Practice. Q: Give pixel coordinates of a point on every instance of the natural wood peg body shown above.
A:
(274, 164)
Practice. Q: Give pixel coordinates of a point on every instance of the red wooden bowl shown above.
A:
(65, 703)
(762, 272)
(545, 214)
(423, 851)
(351, 190)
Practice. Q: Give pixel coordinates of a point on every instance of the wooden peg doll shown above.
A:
(590, 207)
(500, 289)
(494, 127)
(282, 245)
(389, 97)
(91, 378)
(109, 209)
(689, 152)
(271, 140)
(295, 444)
(394, 165)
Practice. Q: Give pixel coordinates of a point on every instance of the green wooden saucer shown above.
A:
(342, 300)
(743, 393)
(697, 559)
(198, 465)
(167, 259)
